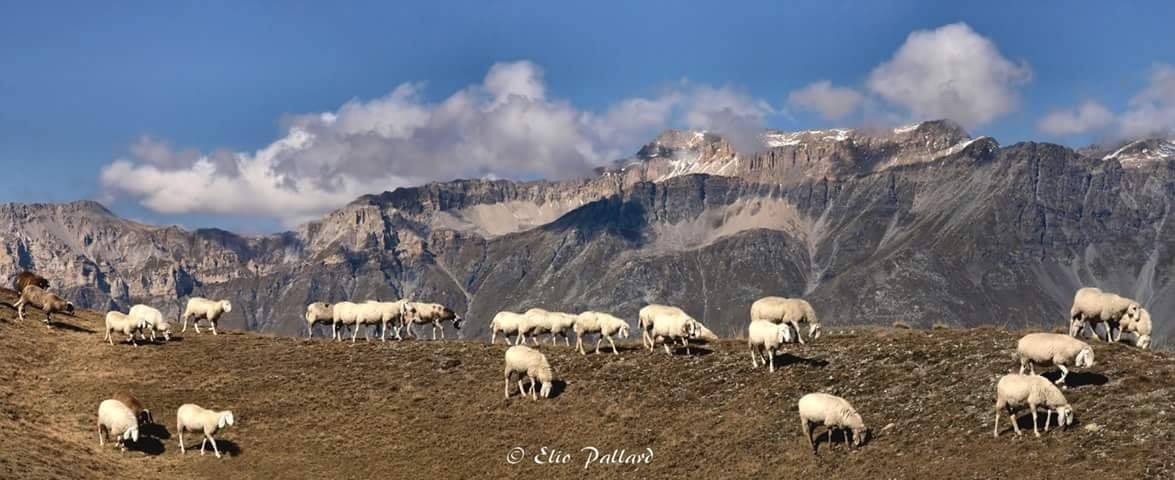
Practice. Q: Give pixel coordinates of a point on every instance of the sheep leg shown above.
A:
(20, 309)
(1032, 408)
(771, 359)
(666, 345)
(214, 333)
(101, 436)
(1048, 419)
(521, 389)
(796, 326)
(184, 322)
(807, 428)
(195, 324)
(754, 360)
(213, 440)
(1064, 373)
(181, 432)
(1015, 425)
(613, 344)
(534, 395)
(109, 338)
(202, 444)
(354, 332)
(507, 384)
(685, 341)
(995, 433)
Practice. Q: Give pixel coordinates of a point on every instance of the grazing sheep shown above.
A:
(507, 323)
(394, 313)
(47, 301)
(1015, 390)
(1139, 325)
(665, 324)
(560, 323)
(645, 320)
(705, 334)
(791, 311)
(115, 418)
(764, 336)
(1092, 306)
(538, 322)
(348, 314)
(834, 413)
(601, 324)
(152, 320)
(370, 313)
(435, 314)
(1053, 349)
(120, 322)
(26, 278)
(318, 312)
(142, 415)
(194, 418)
(527, 361)
(203, 308)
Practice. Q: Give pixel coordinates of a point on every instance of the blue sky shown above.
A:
(119, 102)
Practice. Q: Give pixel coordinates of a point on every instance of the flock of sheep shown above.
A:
(774, 321)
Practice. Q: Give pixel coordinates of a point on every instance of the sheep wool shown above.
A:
(1092, 306)
(604, 325)
(766, 337)
(834, 413)
(507, 323)
(318, 312)
(194, 418)
(791, 311)
(152, 320)
(116, 419)
(434, 313)
(120, 322)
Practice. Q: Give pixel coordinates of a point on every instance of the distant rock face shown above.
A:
(920, 223)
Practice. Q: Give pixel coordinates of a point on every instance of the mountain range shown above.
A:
(921, 223)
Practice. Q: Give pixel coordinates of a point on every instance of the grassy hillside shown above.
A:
(416, 409)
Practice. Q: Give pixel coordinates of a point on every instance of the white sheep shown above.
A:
(1139, 325)
(115, 418)
(601, 324)
(43, 299)
(435, 314)
(375, 313)
(202, 308)
(507, 323)
(766, 337)
(120, 322)
(559, 323)
(194, 418)
(1053, 349)
(318, 312)
(834, 413)
(537, 322)
(791, 311)
(348, 314)
(645, 320)
(527, 361)
(1092, 306)
(1015, 390)
(152, 320)
(393, 313)
(669, 325)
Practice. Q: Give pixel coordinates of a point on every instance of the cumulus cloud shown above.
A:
(1087, 117)
(831, 102)
(504, 127)
(950, 72)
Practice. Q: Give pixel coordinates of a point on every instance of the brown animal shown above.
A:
(142, 415)
(43, 299)
(27, 278)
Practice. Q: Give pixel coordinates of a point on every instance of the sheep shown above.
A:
(203, 308)
(834, 413)
(522, 359)
(645, 320)
(668, 324)
(194, 418)
(1053, 349)
(764, 336)
(507, 323)
(43, 299)
(318, 312)
(395, 313)
(142, 415)
(435, 314)
(152, 319)
(1015, 390)
(348, 313)
(560, 323)
(1092, 306)
(120, 322)
(26, 278)
(115, 418)
(791, 311)
(543, 321)
(1139, 325)
(602, 324)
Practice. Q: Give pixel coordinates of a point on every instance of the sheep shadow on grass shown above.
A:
(834, 440)
(1024, 421)
(694, 350)
(192, 441)
(146, 444)
(154, 430)
(1077, 379)
(69, 326)
(784, 359)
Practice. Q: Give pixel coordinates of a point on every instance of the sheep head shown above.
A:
(458, 321)
(226, 306)
(814, 331)
(855, 423)
(131, 434)
(1085, 358)
(624, 331)
(1143, 342)
(1065, 415)
(225, 420)
(1076, 325)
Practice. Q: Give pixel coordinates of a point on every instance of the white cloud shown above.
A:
(950, 72)
(1153, 110)
(504, 127)
(1087, 117)
(831, 102)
